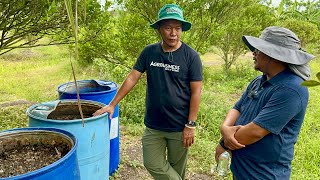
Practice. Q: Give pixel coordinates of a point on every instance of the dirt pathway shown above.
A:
(131, 163)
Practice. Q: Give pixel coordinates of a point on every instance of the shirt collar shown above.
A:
(279, 77)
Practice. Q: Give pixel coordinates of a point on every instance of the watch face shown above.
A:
(192, 123)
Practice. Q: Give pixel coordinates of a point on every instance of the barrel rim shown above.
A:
(87, 93)
(67, 121)
(53, 165)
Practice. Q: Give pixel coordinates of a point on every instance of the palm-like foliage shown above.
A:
(305, 11)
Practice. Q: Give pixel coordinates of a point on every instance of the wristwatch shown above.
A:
(221, 142)
(191, 123)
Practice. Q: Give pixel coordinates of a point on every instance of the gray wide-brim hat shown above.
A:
(279, 43)
(171, 11)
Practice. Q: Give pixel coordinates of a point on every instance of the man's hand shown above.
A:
(187, 137)
(219, 151)
(230, 141)
(109, 109)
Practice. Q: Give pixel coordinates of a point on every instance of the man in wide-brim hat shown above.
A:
(263, 126)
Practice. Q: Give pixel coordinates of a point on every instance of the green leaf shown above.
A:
(70, 14)
(318, 76)
(310, 83)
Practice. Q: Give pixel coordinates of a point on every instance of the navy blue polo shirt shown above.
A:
(277, 105)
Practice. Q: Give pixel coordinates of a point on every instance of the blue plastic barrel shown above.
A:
(101, 91)
(93, 149)
(65, 168)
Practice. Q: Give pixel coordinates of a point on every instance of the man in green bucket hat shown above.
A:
(174, 81)
(172, 11)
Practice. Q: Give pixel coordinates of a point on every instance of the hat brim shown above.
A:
(291, 56)
(185, 24)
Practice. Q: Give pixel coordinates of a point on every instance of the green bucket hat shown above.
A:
(171, 11)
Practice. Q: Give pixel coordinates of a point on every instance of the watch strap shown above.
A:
(221, 142)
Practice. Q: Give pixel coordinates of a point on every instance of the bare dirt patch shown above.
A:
(21, 55)
(211, 59)
(15, 103)
(131, 165)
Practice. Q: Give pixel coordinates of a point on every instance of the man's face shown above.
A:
(170, 31)
(261, 61)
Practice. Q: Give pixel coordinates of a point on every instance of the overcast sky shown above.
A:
(277, 2)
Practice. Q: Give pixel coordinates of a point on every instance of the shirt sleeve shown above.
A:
(284, 104)
(196, 69)
(140, 64)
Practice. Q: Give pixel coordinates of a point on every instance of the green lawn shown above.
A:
(34, 75)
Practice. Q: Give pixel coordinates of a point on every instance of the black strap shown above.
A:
(221, 142)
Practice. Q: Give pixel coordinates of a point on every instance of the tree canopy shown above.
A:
(27, 18)
(119, 35)
(24, 22)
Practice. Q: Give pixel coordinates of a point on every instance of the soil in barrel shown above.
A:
(27, 158)
(70, 111)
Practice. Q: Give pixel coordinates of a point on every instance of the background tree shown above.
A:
(307, 32)
(32, 19)
(24, 22)
(120, 41)
(303, 18)
(305, 11)
(213, 21)
(248, 18)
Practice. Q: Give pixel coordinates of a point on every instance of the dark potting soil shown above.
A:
(70, 111)
(71, 117)
(27, 158)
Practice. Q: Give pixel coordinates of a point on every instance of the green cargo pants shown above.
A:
(164, 155)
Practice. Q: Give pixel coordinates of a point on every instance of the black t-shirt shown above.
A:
(168, 85)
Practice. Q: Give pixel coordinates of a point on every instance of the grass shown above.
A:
(34, 75)
(307, 148)
(13, 117)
